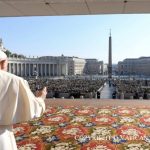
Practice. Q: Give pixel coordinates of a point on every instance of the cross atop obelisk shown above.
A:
(110, 58)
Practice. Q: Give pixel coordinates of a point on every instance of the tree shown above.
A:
(8, 53)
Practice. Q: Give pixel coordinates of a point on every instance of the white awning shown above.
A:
(10, 8)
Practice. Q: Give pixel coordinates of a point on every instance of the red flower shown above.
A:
(72, 131)
(33, 143)
(56, 119)
(145, 120)
(103, 120)
(20, 129)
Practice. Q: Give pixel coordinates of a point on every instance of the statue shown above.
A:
(1, 45)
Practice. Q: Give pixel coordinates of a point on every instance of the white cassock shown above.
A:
(17, 104)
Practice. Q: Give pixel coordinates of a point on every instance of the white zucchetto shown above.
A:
(3, 56)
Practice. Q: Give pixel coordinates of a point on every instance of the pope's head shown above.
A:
(3, 61)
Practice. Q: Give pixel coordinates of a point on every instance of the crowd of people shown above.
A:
(73, 87)
(133, 89)
(89, 88)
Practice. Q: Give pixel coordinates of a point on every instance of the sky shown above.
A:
(81, 36)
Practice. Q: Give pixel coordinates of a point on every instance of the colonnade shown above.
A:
(40, 69)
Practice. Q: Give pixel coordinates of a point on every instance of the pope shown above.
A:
(17, 103)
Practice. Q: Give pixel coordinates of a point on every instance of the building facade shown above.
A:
(49, 66)
(76, 66)
(42, 66)
(139, 66)
(93, 67)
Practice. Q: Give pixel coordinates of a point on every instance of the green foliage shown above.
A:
(10, 54)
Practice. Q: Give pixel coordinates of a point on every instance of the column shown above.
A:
(29, 70)
(62, 69)
(49, 70)
(59, 74)
(45, 70)
(21, 66)
(56, 69)
(25, 69)
(27, 65)
(17, 68)
(37, 69)
(13, 68)
(9, 67)
(53, 70)
(66, 69)
(41, 70)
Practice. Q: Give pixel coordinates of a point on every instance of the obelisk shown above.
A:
(110, 58)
